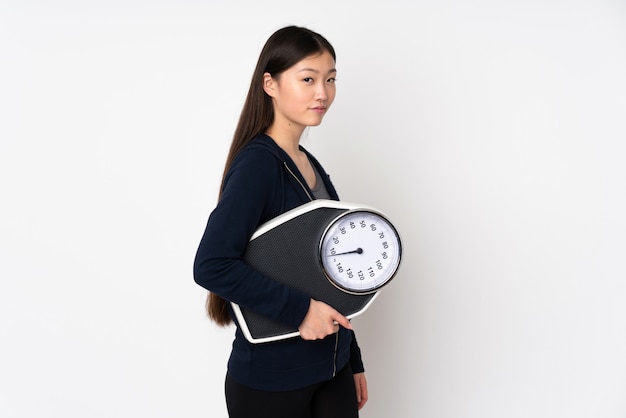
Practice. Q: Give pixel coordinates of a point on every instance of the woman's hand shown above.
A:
(321, 320)
(361, 389)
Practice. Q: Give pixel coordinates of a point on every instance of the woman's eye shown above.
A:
(308, 80)
(331, 80)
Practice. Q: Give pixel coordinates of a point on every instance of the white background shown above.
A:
(491, 132)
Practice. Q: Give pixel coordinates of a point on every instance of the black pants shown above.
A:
(335, 398)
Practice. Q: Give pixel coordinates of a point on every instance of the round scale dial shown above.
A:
(360, 251)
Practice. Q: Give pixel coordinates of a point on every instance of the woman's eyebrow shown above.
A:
(313, 70)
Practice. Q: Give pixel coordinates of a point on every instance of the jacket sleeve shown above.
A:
(356, 362)
(250, 189)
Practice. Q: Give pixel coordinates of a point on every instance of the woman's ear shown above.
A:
(269, 84)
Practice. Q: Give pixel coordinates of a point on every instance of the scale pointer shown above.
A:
(357, 251)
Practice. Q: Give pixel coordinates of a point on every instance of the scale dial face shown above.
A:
(360, 251)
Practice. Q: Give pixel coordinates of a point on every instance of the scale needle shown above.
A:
(357, 251)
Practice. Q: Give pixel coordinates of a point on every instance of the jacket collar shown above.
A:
(266, 142)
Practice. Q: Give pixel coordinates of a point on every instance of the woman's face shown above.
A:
(303, 93)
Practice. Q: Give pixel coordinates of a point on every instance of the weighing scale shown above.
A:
(337, 252)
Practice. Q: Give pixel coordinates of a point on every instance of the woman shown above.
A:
(267, 172)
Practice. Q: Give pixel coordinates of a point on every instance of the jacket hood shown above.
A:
(266, 143)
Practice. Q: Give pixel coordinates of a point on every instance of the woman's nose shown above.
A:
(322, 93)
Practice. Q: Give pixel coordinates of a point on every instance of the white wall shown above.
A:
(492, 133)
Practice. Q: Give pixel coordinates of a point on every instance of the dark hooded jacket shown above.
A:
(261, 184)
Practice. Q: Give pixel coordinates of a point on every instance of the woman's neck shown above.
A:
(290, 143)
(287, 139)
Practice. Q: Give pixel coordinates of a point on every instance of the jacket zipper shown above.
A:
(298, 180)
(335, 354)
(337, 333)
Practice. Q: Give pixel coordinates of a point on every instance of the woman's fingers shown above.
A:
(322, 320)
